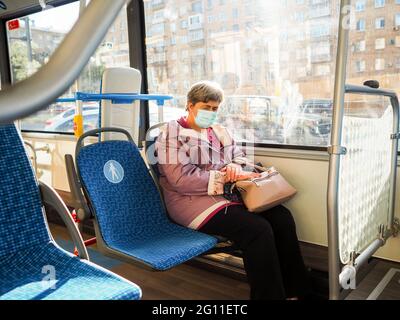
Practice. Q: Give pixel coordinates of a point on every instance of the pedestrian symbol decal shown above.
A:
(113, 171)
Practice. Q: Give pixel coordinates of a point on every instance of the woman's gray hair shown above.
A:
(205, 91)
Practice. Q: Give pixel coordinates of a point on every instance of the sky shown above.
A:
(57, 19)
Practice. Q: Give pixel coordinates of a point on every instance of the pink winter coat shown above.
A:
(189, 164)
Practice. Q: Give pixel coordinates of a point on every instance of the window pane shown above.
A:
(379, 59)
(379, 3)
(33, 39)
(276, 65)
(274, 60)
(360, 5)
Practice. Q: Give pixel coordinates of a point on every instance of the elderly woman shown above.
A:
(196, 159)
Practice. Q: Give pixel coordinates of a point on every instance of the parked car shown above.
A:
(70, 112)
(57, 108)
(66, 124)
(311, 124)
(252, 117)
(322, 107)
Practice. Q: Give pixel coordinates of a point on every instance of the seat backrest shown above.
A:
(149, 145)
(22, 223)
(120, 189)
(126, 116)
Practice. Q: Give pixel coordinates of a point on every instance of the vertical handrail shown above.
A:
(395, 148)
(79, 104)
(335, 152)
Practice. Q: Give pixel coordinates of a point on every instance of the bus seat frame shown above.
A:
(51, 198)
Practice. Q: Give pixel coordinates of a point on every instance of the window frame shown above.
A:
(146, 117)
(358, 23)
(135, 39)
(360, 5)
(378, 42)
(379, 4)
(378, 23)
(397, 19)
(5, 65)
(138, 60)
(5, 70)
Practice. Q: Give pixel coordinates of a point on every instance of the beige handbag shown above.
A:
(270, 190)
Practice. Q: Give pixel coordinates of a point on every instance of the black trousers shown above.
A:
(271, 253)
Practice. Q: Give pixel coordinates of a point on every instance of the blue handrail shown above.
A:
(117, 98)
(66, 100)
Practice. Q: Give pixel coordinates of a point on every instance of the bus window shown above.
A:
(262, 57)
(33, 40)
(284, 51)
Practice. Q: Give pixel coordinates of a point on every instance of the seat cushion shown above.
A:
(75, 279)
(166, 246)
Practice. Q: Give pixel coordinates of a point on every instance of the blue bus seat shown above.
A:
(28, 253)
(130, 219)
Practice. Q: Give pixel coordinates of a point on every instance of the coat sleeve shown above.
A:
(182, 176)
(237, 153)
(191, 180)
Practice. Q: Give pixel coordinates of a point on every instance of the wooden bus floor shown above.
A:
(204, 279)
(215, 277)
(381, 283)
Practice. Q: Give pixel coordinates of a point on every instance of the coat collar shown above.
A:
(175, 130)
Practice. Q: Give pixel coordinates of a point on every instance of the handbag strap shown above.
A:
(243, 161)
(271, 172)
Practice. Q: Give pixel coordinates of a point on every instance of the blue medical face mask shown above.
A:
(205, 119)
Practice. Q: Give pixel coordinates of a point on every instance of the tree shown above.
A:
(91, 77)
(21, 66)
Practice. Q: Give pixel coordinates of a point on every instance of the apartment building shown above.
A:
(256, 47)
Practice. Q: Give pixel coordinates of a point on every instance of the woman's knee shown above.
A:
(280, 217)
(286, 215)
(265, 227)
(256, 231)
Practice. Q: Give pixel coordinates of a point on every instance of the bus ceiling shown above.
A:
(11, 7)
(53, 79)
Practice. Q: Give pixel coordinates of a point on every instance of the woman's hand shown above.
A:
(232, 172)
(245, 175)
